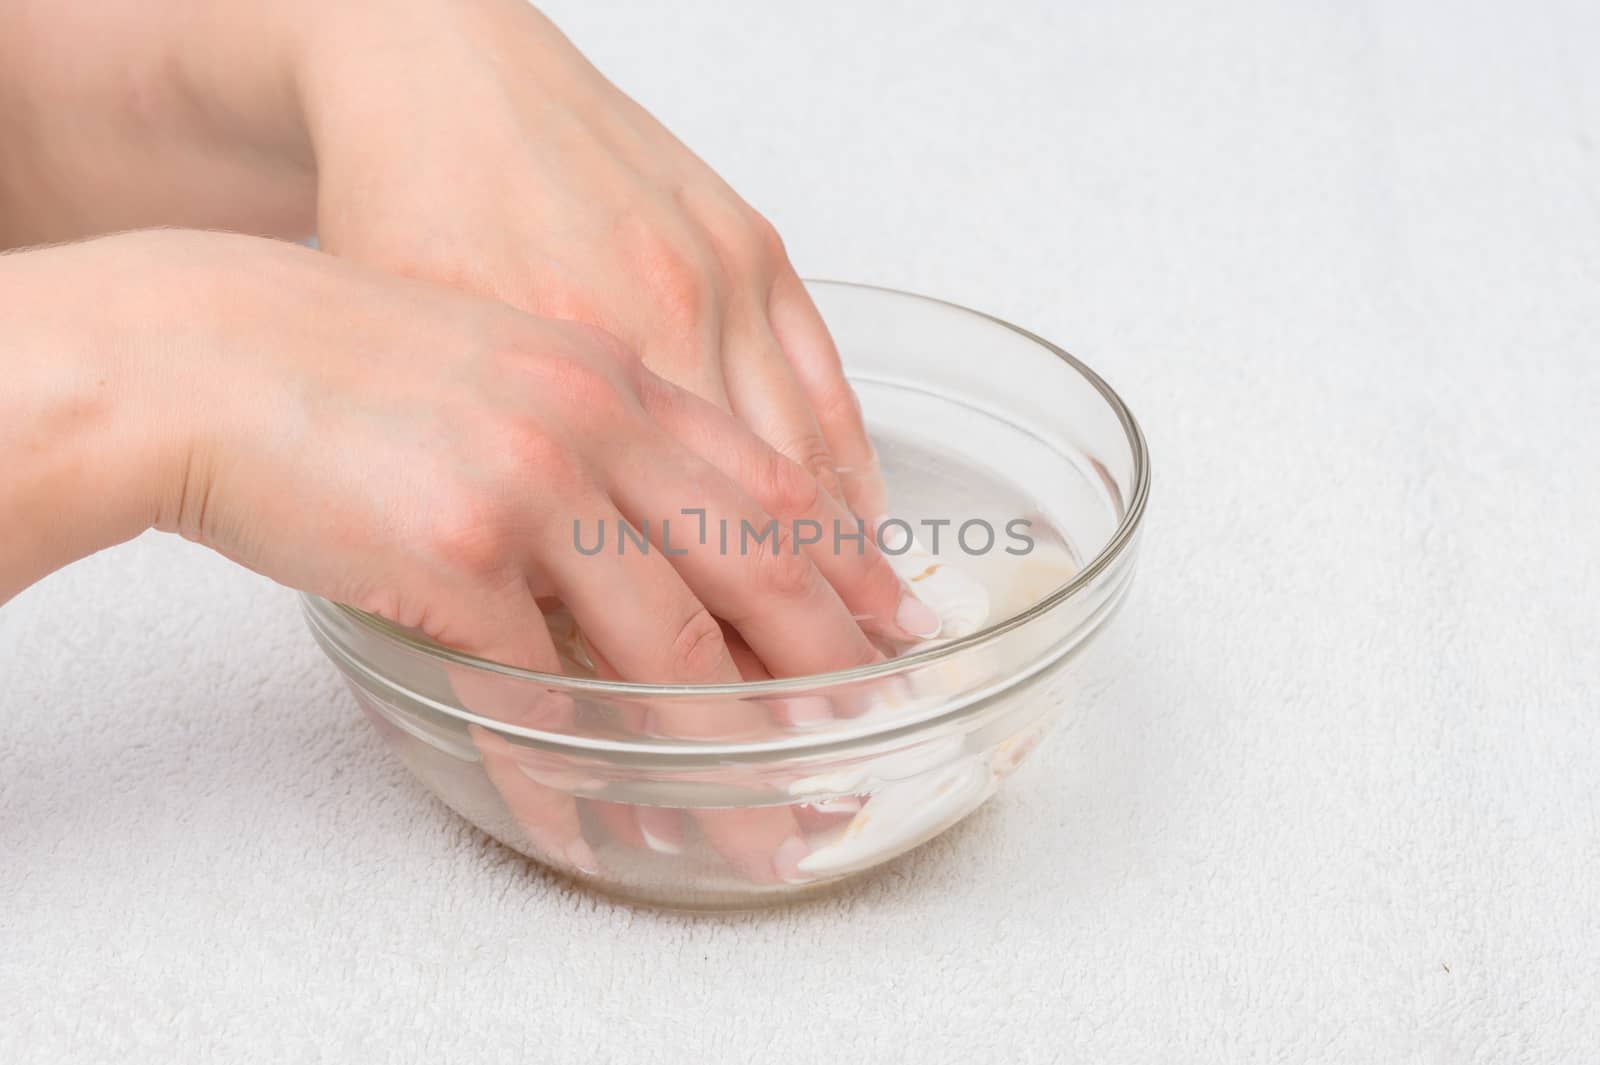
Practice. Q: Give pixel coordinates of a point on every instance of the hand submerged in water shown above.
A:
(466, 143)
(293, 412)
(534, 180)
(392, 446)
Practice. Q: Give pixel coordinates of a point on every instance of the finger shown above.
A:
(667, 309)
(547, 816)
(633, 607)
(744, 659)
(796, 711)
(841, 547)
(618, 819)
(800, 711)
(659, 829)
(768, 397)
(762, 842)
(765, 844)
(747, 570)
(811, 352)
(827, 814)
(510, 628)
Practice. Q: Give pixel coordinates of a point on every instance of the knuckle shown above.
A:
(787, 488)
(535, 454)
(780, 570)
(748, 245)
(680, 279)
(742, 237)
(765, 240)
(556, 299)
(589, 386)
(471, 534)
(698, 650)
(580, 364)
(817, 461)
(595, 390)
(837, 404)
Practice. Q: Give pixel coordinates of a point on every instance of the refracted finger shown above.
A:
(512, 631)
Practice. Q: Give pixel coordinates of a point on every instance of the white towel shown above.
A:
(1330, 792)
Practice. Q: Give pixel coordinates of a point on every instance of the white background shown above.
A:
(1342, 259)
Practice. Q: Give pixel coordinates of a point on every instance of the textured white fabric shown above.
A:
(1334, 799)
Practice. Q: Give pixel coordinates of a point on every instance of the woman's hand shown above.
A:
(471, 144)
(465, 143)
(425, 455)
(419, 454)
(459, 141)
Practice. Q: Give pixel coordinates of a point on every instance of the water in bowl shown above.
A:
(688, 833)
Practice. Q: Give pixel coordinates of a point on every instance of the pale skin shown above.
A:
(533, 305)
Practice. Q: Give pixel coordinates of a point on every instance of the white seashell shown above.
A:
(913, 796)
(899, 816)
(1030, 578)
(1011, 752)
(955, 595)
(881, 772)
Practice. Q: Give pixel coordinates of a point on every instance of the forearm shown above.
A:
(89, 431)
(119, 114)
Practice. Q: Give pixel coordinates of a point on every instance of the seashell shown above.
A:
(898, 816)
(917, 794)
(1029, 579)
(882, 772)
(955, 595)
(1013, 751)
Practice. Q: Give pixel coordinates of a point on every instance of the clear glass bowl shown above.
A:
(626, 787)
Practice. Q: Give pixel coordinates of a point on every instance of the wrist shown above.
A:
(422, 67)
(91, 444)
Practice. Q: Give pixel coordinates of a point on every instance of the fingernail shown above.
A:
(807, 711)
(662, 829)
(787, 860)
(917, 618)
(579, 854)
(839, 804)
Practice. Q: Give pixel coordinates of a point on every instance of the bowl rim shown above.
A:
(1113, 549)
